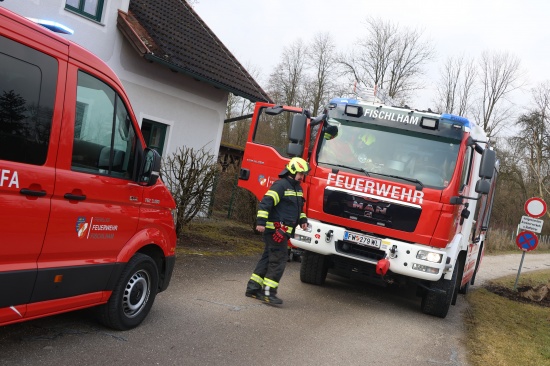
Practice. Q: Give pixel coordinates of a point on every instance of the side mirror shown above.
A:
(487, 166)
(297, 131)
(150, 168)
(483, 186)
(294, 149)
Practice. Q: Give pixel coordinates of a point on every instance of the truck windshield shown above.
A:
(389, 152)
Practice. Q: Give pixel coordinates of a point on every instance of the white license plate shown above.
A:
(361, 239)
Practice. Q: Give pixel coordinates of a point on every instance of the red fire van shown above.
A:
(84, 219)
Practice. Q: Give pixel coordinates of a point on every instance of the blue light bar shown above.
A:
(344, 101)
(457, 119)
(54, 26)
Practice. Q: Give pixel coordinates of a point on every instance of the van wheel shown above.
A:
(314, 268)
(133, 295)
(438, 301)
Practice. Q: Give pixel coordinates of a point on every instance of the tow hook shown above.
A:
(393, 251)
(328, 236)
(382, 267)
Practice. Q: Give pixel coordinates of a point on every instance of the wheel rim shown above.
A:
(136, 293)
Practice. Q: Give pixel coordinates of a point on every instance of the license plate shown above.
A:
(361, 239)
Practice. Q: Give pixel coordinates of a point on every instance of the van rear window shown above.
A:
(27, 93)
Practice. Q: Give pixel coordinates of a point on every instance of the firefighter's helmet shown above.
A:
(295, 165)
(331, 132)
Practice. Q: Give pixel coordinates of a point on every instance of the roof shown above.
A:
(171, 33)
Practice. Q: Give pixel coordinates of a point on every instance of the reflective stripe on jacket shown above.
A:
(283, 203)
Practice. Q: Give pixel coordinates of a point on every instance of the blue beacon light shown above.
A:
(53, 26)
(456, 119)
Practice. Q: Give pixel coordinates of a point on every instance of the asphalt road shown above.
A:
(205, 319)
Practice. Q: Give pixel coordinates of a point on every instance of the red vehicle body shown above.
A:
(84, 219)
(375, 210)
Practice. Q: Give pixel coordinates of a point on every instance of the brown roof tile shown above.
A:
(171, 33)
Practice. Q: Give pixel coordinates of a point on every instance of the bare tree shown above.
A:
(323, 63)
(534, 141)
(500, 75)
(389, 58)
(455, 90)
(285, 81)
(235, 133)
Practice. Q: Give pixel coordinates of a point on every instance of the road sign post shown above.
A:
(527, 240)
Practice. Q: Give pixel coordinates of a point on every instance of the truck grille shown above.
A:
(359, 251)
(372, 211)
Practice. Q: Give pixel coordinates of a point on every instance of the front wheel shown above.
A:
(133, 295)
(437, 300)
(314, 268)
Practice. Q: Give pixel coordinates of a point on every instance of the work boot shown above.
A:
(270, 299)
(255, 294)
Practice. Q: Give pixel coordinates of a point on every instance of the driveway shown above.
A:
(205, 319)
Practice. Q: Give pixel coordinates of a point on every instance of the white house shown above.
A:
(176, 72)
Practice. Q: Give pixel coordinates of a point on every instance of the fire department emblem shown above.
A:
(262, 180)
(81, 227)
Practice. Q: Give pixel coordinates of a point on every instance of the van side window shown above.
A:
(27, 92)
(104, 137)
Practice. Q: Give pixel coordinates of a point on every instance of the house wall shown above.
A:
(194, 111)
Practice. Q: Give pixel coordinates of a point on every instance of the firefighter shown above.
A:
(279, 212)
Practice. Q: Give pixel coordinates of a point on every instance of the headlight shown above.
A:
(429, 256)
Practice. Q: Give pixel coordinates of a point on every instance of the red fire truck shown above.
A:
(394, 195)
(85, 220)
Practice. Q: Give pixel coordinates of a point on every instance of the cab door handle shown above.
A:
(74, 197)
(33, 193)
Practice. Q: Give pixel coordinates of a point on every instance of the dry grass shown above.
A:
(219, 236)
(504, 332)
(501, 241)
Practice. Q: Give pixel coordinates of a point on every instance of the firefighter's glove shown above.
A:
(280, 235)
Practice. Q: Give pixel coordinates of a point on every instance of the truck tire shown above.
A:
(314, 268)
(438, 301)
(133, 295)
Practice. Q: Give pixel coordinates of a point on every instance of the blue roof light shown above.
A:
(457, 119)
(54, 26)
(344, 101)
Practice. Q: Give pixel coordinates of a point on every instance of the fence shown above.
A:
(231, 201)
(505, 240)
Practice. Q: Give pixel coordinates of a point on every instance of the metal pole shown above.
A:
(519, 269)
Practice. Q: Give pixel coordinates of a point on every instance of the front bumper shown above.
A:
(404, 258)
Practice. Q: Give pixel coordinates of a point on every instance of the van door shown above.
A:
(30, 116)
(95, 207)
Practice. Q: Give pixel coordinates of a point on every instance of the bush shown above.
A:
(189, 174)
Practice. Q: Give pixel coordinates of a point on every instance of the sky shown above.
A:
(256, 31)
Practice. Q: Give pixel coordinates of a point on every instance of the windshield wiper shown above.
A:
(361, 170)
(413, 180)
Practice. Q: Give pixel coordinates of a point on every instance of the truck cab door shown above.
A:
(269, 146)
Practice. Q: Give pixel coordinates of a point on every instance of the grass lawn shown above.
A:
(501, 331)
